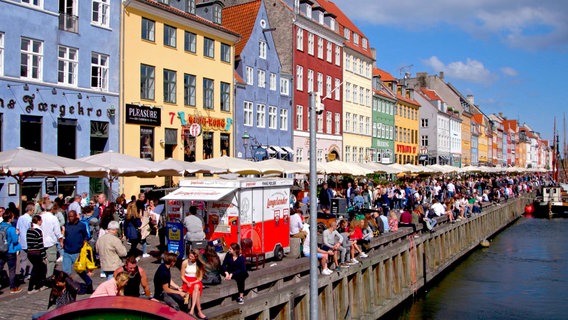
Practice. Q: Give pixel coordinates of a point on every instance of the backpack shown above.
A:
(4, 239)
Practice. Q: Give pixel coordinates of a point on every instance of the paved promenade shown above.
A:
(22, 305)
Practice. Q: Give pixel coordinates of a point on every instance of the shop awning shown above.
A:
(193, 193)
(269, 150)
(278, 150)
(288, 149)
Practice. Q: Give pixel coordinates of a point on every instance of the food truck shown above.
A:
(237, 208)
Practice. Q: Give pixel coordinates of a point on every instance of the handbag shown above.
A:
(86, 259)
(211, 278)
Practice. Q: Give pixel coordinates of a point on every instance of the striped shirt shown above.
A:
(34, 238)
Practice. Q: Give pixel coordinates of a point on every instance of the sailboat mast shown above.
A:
(554, 153)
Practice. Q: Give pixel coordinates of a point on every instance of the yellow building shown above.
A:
(177, 84)
(484, 144)
(406, 120)
(466, 138)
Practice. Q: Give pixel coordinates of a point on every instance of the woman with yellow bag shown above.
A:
(75, 240)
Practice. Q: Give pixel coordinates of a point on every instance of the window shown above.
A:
(262, 49)
(310, 43)
(337, 122)
(368, 97)
(320, 83)
(348, 92)
(348, 122)
(148, 29)
(424, 123)
(209, 47)
(320, 122)
(361, 154)
(67, 138)
(169, 36)
(189, 90)
(328, 87)
(361, 124)
(348, 62)
(355, 93)
(225, 96)
(31, 132)
(225, 52)
(100, 13)
(337, 55)
(361, 96)
(355, 65)
(299, 155)
(328, 52)
(247, 114)
(310, 80)
(99, 71)
(347, 153)
(167, 2)
(272, 117)
(147, 78)
(299, 78)
(320, 48)
(354, 123)
(354, 159)
(35, 3)
(261, 78)
(337, 90)
(250, 76)
(300, 39)
(190, 43)
(364, 43)
(356, 39)
(272, 81)
(208, 92)
(169, 86)
(1, 53)
(361, 67)
(284, 119)
(260, 115)
(217, 14)
(31, 63)
(299, 117)
(68, 60)
(225, 144)
(346, 33)
(328, 121)
(208, 145)
(367, 125)
(190, 6)
(284, 87)
(424, 142)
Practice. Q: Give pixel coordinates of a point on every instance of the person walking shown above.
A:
(111, 250)
(51, 236)
(13, 247)
(75, 238)
(36, 254)
(23, 224)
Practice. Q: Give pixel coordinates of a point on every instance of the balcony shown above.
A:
(68, 22)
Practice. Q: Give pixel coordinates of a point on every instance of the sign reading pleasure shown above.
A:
(143, 115)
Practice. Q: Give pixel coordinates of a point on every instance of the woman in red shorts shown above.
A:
(192, 270)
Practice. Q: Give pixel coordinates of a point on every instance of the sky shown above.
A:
(511, 55)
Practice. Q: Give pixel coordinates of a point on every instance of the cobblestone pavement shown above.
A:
(22, 305)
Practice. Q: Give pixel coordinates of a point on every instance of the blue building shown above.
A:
(59, 85)
(263, 94)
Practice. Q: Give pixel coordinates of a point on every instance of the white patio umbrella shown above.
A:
(122, 165)
(183, 167)
(379, 168)
(21, 164)
(233, 165)
(284, 166)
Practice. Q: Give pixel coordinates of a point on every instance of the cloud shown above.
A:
(470, 70)
(527, 24)
(509, 71)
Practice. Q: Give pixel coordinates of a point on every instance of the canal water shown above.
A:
(522, 275)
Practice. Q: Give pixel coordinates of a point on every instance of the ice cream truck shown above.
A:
(238, 208)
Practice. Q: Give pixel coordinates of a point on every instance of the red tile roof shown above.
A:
(241, 18)
(431, 94)
(510, 125)
(344, 22)
(189, 16)
(239, 79)
(385, 76)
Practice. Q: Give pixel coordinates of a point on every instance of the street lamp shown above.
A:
(246, 139)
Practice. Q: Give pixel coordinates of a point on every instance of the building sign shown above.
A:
(143, 115)
(60, 110)
(195, 130)
(401, 148)
(207, 123)
(51, 186)
(147, 143)
(381, 144)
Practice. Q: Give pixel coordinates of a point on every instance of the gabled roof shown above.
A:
(189, 16)
(510, 125)
(431, 94)
(345, 22)
(241, 18)
(385, 76)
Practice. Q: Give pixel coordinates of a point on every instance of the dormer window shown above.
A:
(347, 34)
(309, 12)
(217, 14)
(296, 6)
(190, 6)
(320, 18)
(364, 43)
(332, 24)
(356, 39)
(164, 2)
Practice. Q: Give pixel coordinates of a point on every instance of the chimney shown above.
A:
(421, 78)
(470, 99)
(374, 54)
(442, 75)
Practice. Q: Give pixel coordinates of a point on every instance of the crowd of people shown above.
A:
(50, 231)
(374, 209)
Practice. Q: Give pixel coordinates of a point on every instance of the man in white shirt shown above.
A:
(296, 225)
(76, 205)
(438, 208)
(51, 235)
(451, 189)
(24, 223)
